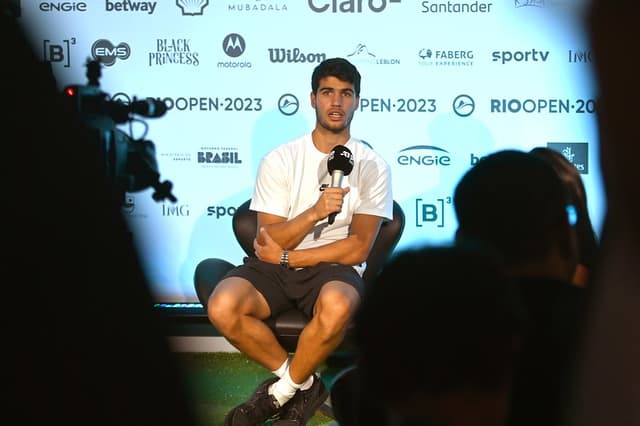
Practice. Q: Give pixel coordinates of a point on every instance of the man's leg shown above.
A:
(237, 311)
(333, 310)
(303, 389)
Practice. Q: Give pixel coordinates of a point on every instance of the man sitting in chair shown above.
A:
(314, 234)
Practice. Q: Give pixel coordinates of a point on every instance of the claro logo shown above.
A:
(341, 6)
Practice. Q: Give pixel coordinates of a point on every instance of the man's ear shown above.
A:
(312, 97)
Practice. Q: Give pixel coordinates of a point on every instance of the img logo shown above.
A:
(580, 56)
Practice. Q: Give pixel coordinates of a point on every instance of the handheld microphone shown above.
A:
(340, 164)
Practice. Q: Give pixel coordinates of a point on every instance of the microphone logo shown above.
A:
(340, 164)
(340, 158)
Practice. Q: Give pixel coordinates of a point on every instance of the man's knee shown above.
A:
(336, 307)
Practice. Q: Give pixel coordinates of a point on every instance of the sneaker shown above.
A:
(299, 409)
(257, 409)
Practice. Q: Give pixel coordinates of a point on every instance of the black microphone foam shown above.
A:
(340, 164)
(340, 158)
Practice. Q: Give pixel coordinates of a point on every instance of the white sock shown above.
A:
(282, 369)
(284, 389)
(307, 383)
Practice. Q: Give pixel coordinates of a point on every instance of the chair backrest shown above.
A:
(245, 225)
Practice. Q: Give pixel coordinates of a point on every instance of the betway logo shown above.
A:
(130, 6)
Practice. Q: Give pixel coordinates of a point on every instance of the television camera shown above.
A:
(129, 163)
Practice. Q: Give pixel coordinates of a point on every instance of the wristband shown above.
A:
(284, 259)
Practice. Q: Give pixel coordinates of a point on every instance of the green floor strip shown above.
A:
(218, 381)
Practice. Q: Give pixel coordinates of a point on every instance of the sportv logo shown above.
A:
(532, 55)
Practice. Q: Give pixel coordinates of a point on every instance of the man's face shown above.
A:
(334, 102)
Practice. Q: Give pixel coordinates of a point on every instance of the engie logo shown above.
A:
(424, 155)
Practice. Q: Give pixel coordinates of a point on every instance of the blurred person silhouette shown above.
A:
(461, 311)
(585, 232)
(608, 384)
(516, 203)
(82, 343)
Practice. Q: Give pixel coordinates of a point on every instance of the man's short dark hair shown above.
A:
(514, 201)
(339, 68)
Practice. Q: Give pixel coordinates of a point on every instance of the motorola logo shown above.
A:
(463, 105)
(233, 45)
(288, 104)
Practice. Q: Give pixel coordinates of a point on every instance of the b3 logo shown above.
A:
(431, 213)
(58, 53)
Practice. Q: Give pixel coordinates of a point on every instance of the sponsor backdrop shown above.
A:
(443, 84)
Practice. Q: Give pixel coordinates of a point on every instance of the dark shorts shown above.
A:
(287, 288)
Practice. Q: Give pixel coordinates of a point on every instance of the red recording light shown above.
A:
(71, 91)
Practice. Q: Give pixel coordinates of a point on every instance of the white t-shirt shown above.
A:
(290, 177)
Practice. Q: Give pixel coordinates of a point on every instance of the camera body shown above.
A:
(129, 164)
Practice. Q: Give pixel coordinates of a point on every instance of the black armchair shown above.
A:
(288, 325)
